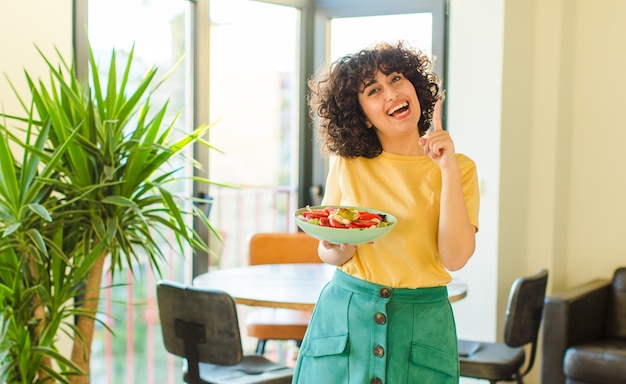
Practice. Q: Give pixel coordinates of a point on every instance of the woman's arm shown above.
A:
(456, 237)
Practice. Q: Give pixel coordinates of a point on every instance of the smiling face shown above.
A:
(391, 106)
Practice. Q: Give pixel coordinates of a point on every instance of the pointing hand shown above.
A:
(437, 143)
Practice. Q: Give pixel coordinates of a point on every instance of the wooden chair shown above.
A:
(277, 323)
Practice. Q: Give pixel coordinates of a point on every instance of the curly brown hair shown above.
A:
(333, 96)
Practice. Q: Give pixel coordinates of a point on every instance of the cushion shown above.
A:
(602, 362)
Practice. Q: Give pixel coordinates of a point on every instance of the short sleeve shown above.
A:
(332, 190)
(469, 179)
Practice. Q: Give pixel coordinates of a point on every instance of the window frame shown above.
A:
(327, 9)
(315, 15)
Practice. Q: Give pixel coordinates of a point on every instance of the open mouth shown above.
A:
(399, 109)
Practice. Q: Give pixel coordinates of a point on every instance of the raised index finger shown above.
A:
(437, 126)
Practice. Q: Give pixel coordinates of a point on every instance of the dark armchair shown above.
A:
(584, 334)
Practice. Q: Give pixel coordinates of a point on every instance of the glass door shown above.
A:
(346, 26)
(158, 30)
(350, 34)
(254, 102)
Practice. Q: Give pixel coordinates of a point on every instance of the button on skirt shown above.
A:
(362, 332)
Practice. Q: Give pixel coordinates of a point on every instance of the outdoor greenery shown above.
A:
(82, 181)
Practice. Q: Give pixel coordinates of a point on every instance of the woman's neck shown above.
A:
(404, 148)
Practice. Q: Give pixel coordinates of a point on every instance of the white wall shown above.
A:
(577, 132)
(473, 104)
(24, 25)
(551, 139)
(596, 205)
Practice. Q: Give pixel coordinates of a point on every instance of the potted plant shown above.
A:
(90, 185)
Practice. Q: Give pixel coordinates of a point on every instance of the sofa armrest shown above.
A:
(572, 316)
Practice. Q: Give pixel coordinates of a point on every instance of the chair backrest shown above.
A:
(201, 322)
(525, 309)
(279, 248)
(524, 313)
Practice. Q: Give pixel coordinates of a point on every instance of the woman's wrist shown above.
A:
(336, 254)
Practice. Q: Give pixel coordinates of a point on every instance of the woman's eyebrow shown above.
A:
(368, 82)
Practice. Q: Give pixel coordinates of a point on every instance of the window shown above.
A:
(350, 34)
(250, 60)
(253, 95)
(259, 61)
(158, 29)
(350, 25)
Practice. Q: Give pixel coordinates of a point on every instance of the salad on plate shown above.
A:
(343, 217)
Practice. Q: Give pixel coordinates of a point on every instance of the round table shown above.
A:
(291, 286)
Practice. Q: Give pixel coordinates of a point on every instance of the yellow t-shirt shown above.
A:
(409, 188)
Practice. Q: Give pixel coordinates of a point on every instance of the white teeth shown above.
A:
(401, 105)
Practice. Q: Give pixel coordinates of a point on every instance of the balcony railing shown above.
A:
(135, 352)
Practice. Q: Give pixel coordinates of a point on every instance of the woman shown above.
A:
(385, 316)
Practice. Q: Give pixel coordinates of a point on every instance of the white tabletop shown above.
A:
(294, 286)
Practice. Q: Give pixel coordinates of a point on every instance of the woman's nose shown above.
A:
(390, 93)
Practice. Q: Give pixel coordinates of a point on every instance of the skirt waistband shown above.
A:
(419, 295)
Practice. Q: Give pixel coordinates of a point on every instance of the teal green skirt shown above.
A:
(362, 332)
